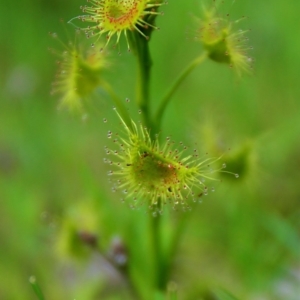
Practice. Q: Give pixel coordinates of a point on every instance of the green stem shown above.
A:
(165, 101)
(144, 69)
(163, 261)
(159, 275)
(173, 246)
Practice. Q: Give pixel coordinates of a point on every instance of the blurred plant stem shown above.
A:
(166, 99)
(175, 240)
(163, 260)
(158, 261)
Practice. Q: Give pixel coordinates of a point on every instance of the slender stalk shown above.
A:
(159, 274)
(163, 261)
(144, 69)
(166, 99)
(175, 239)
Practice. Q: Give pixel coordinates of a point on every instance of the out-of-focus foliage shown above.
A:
(243, 238)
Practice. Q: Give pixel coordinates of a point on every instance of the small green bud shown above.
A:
(217, 48)
(80, 73)
(223, 42)
(87, 74)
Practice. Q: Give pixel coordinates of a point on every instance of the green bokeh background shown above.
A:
(243, 238)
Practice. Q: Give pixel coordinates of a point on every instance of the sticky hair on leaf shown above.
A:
(224, 42)
(80, 72)
(155, 174)
(114, 17)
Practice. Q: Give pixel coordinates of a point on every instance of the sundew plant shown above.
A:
(159, 181)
